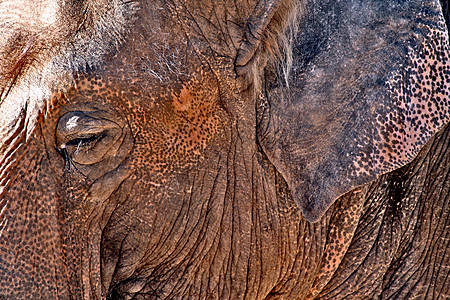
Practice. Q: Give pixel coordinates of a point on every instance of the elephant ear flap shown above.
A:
(369, 86)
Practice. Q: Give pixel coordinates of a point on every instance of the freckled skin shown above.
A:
(161, 174)
(354, 125)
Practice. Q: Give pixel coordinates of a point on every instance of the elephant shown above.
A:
(271, 149)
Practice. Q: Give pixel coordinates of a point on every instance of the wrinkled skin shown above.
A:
(188, 150)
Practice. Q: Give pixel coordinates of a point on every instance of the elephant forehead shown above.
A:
(171, 126)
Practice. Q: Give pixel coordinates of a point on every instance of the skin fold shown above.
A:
(224, 150)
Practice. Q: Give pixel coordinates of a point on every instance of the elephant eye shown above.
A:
(87, 137)
(87, 141)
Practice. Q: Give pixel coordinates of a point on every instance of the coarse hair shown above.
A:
(276, 45)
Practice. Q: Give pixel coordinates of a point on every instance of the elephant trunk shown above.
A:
(38, 259)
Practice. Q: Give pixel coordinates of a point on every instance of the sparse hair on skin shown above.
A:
(42, 46)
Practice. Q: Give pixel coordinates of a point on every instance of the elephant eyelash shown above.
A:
(78, 142)
(84, 141)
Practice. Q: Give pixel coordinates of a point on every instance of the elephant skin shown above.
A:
(277, 149)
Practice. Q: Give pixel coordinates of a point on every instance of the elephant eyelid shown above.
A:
(80, 141)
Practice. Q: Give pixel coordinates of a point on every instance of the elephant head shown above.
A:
(194, 148)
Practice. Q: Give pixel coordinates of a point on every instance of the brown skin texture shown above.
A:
(173, 197)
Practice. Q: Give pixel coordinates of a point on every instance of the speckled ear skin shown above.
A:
(369, 85)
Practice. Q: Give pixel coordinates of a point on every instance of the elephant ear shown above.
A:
(368, 86)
